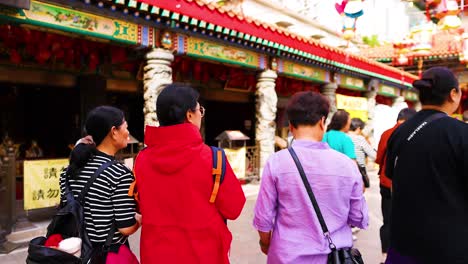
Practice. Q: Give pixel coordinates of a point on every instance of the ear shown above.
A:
(322, 123)
(189, 116)
(291, 127)
(113, 132)
(454, 94)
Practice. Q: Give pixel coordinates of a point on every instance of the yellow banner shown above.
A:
(41, 183)
(236, 158)
(356, 106)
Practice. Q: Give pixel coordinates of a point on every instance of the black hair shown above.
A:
(307, 108)
(339, 120)
(98, 123)
(435, 85)
(405, 114)
(173, 103)
(357, 123)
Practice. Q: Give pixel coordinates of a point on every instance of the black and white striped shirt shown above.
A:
(107, 199)
(362, 149)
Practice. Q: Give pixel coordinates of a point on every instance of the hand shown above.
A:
(138, 218)
(264, 247)
(88, 140)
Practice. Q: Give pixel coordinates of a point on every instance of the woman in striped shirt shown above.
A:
(362, 148)
(107, 202)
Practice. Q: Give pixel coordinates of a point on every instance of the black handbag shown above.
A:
(337, 255)
(365, 177)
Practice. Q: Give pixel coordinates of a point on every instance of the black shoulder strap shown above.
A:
(423, 124)
(110, 237)
(85, 189)
(312, 198)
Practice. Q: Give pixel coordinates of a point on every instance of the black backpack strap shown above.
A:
(312, 198)
(110, 237)
(68, 193)
(219, 170)
(85, 189)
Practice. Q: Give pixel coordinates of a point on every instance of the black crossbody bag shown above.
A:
(337, 255)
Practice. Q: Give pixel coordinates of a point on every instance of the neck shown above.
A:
(312, 133)
(442, 108)
(353, 132)
(108, 149)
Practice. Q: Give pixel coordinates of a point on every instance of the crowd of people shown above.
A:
(423, 183)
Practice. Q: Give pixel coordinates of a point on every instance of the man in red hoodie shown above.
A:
(385, 182)
(174, 180)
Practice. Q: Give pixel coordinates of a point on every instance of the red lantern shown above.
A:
(15, 56)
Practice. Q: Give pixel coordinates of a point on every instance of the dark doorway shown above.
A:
(222, 116)
(48, 115)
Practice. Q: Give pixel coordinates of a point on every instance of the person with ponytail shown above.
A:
(427, 162)
(107, 202)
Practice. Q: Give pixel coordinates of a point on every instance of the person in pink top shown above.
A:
(284, 216)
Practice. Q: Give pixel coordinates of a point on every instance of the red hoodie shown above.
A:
(381, 158)
(174, 181)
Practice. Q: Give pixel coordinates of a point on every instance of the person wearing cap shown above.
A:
(385, 182)
(427, 162)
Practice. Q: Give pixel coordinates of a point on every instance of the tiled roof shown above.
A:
(229, 18)
(444, 45)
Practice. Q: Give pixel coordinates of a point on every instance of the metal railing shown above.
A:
(252, 166)
(8, 201)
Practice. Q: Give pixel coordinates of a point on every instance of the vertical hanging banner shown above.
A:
(356, 106)
(236, 158)
(41, 182)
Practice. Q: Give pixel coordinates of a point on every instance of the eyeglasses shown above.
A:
(202, 111)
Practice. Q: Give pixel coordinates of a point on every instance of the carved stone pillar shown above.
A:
(329, 90)
(417, 106)
(371, 103)
(157, 74)
(266, 105)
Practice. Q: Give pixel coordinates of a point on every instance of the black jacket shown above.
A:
(430, 189)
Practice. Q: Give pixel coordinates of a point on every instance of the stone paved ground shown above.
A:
(245, 247)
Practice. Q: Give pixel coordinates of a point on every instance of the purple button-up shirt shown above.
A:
(284, 207)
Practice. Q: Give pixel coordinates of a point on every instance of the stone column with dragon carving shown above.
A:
(157, 74)
(371, 95)
(266, 106)
(329, 90)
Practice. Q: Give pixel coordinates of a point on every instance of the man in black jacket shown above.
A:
(427, 160)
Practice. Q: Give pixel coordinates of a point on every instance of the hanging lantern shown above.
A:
(422, 38)
(401, 50)
(349, 27)
(447, 12)
(350, 10)
(354, 8)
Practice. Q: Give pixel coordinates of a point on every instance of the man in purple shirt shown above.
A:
(284, 216)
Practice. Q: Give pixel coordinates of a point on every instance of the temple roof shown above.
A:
(232, 20)
(444, 45)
